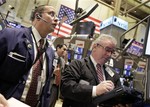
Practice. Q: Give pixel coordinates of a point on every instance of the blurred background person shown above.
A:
(56, 78)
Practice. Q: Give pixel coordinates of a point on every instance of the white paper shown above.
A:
(12, 102)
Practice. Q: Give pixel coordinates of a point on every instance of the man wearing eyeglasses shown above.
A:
(26, 62)
(87, 78)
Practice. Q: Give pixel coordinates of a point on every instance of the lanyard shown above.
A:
(38, 54)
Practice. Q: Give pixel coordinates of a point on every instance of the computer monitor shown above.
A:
(140, 69)
(77, 56)
(84, 28)
(79, 50)
(147, 53)
(69, 55)
(78, 53)
(147, 40)
(128, 44)
(127, 70)
(136, 49)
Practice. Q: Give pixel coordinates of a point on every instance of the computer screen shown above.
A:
(69, 54)
(140, 69)
(79, 50)
(136, 48)
(127, 67)
(84, 28)
(77, 56)
(78, 53)
(127, 70)
(147, 40)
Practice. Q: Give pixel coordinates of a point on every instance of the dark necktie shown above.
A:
(99, 73)
(32, 97)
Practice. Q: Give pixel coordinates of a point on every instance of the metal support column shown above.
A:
(136, 7)
(117, 7)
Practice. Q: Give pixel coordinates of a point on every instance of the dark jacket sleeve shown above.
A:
(70, 86)
(78, 70)
(15, 60)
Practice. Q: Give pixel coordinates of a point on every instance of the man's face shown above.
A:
(60, 51)
(50, 18)
(104, 51)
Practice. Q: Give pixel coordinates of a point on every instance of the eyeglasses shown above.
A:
(107, 49)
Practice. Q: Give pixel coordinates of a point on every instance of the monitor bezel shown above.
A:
(147, 36)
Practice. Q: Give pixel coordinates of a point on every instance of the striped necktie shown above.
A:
(32, 97)
(99, 73)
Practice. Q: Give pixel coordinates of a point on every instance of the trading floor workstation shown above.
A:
(131, 59)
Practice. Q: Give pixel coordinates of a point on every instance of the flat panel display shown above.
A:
(147, 40)
(127, 70)
(78, 53)
(77, 56)
(136, 48)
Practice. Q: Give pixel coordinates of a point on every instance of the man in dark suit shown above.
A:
(56, 78)
(80, 81)
(19, 52)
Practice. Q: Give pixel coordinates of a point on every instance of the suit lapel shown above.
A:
(29, 42)
(49, 56)
(91, 68)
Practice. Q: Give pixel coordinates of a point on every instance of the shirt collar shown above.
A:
(56, 55)
(37, 37)
(93, 60)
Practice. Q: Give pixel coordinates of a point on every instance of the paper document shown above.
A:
(16, 103)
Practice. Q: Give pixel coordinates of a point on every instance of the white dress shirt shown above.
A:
(37, 37)
(94, 87)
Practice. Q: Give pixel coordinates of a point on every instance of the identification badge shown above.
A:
(39, 85)
(110, 72)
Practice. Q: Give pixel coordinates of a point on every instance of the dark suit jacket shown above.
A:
(80, 95)
(16, 59)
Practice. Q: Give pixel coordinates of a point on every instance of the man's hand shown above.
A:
(57, 73)
(3, 101)
(104, 87)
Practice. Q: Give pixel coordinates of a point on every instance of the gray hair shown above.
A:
(104, 37)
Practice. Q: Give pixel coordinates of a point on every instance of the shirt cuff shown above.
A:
(94, 91)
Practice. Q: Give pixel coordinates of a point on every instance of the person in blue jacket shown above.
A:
(19, 53)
